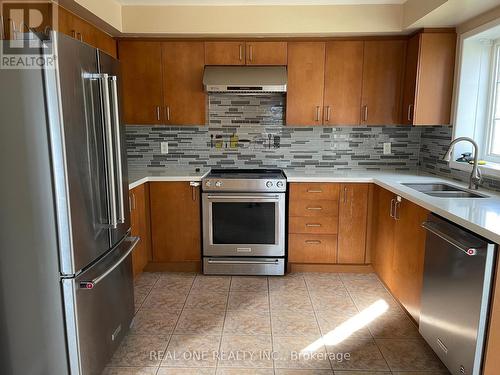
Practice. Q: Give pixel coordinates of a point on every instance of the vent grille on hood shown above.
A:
(245, 79)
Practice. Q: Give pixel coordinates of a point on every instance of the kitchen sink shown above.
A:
(442, 190)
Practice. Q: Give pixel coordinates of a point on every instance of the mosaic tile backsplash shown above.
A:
(249, 131)
(264, 141)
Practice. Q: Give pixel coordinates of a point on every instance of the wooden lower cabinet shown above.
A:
(175, 222)
(140, 227)
(308, 248)
(328, 223)
(353, 219)
(399, 247)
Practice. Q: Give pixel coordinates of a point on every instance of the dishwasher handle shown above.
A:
(434, 229)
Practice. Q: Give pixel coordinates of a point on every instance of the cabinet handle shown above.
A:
(315, 208)
(396, 208)
(365, 113)
(318, 113)
(194, 185)
(313, 242)
(73, 34)
(314, 191)
(132, 202)
(327, 113)
(410, 112)
(393, 200)
(250, 52)
(168, 112)
(158, 112)
(241, 52)
(79, 37)
(311, 225)
(345, 194)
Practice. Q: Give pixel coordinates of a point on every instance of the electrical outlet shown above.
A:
(164, 147)
(387, 148)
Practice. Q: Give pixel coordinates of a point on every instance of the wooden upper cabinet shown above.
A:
(72, 25)
(353, 217)
(428, 88)
(225, 53)
(141, 82)
(184, 98)
(175, 222)
(306, 67)
(382, 82)
(266, 53)
(343, 82)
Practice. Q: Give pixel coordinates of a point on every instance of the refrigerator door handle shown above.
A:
(90, 284)
(108, 131)
(116, 118)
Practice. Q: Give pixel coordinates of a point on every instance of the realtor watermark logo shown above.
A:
(25, 24)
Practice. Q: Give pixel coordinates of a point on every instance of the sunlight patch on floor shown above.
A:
(346, 329)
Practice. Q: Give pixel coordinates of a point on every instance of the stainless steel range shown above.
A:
(244, 222)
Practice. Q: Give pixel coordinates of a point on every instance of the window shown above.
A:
(492, 150)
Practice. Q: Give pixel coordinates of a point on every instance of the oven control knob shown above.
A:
(279, 184)
(269, 184)
(218, 183)
(208, 183)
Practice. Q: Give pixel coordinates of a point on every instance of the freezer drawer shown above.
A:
(99, 309)
(455, 295)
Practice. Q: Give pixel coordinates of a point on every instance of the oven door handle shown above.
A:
(213, 261)
(259, 197)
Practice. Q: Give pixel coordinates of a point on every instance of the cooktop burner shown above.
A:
(245, 180)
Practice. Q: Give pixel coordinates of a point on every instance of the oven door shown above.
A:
(236, 224)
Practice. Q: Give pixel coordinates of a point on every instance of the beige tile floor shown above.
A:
(300, 324)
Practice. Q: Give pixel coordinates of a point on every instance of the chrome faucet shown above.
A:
(475, 176)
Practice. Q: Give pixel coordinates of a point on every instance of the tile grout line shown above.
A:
(178, 318)
(317, 322)
(371, 334)
(270, 322)
(223, 324)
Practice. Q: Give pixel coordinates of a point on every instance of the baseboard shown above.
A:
(355, 268)
(173, 267)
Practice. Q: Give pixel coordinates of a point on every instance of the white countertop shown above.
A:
(480, 215)
(138, 177)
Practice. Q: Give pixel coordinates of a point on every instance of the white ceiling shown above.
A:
(259, 2)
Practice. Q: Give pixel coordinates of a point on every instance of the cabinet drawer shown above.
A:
(309, 207)
(318, 225)
(314, 191)
(307, 248)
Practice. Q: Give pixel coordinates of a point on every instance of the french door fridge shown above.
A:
(71, 300)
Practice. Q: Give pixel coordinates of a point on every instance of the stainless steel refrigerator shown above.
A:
(66, 289)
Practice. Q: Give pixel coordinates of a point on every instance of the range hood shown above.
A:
(245, 79)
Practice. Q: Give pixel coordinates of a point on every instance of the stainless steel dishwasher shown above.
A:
(456, 292)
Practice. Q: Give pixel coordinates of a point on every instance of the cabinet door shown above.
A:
(224, 53)
(140, 226)
(410, 81)
(175, 222)
(383, 230)
(106, 43)
(382, 82)
(353, 211)
(409, 251)
(266, 53)
(343, 82)
(306, 73)
(141, 82)
(65, 22)
(183, 93)
(436, 69)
